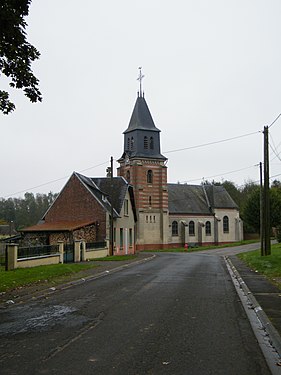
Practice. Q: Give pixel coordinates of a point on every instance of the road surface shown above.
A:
(176, 314)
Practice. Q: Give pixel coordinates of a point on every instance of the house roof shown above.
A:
(57, 226)
(115, 189)
(198, 199)
(107, 191)
(7, 229)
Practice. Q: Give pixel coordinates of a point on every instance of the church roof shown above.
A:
(198, 199)
(141, 118)
(219, 197)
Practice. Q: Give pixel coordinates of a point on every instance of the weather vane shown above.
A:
(140, 78)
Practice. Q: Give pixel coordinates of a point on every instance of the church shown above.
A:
(148, 212)
(171, 215)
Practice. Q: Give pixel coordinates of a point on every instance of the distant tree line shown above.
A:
(247, 198)
(25, 211)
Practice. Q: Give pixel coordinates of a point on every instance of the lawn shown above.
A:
(200, 248)
(42, 274)
(117, 258)
(269, 265)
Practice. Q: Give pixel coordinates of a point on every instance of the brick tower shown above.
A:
(143, 166)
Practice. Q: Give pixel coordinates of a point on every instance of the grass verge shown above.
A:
(117, 258)
(269, 265)
(200, 248)
(38, 275)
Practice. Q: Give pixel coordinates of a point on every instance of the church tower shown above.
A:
(143, 166)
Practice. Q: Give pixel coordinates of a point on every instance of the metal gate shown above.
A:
(68, 253)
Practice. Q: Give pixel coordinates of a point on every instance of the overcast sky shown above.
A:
(212, 72)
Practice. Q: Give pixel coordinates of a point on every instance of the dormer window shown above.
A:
(145, 143)
(149, 177)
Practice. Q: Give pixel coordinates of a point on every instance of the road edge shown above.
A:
(271, 337)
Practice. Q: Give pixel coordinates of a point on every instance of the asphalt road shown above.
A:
(176, 314)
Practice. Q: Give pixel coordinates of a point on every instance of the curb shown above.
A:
(49, 291)
(274, 337)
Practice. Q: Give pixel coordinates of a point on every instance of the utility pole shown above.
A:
(111, 210)
(267, 248)
(261, 213)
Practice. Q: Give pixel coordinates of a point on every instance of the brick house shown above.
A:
(82, 211)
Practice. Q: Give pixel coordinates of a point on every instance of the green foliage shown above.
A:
(278, 233)
(117, 258)
(25, 211)
(16, 54)
(41, 274)
(251, 209)
(269, 265)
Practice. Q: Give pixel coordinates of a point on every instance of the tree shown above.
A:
(16, 54)
(251, 209)
(25, 211)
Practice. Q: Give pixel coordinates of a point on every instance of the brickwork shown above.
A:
(151, 199)
(76, 203)
(147, 195)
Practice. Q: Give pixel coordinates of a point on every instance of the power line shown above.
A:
(237, 170)
(274, 120)
(212, 143)
(53, 181)
(166, 152)
(274, 149)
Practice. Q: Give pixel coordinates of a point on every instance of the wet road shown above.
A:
(176, 314)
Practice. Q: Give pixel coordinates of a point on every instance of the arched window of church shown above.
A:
(191, 227)
(132, 143)
(225, 224)
(149, 177)
(151, 143)
(208, 228)
(128, 176)
(149, 201)
(175, 228)
(128, 143)
(145, 143)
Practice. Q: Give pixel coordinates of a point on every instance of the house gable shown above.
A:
(74, 203)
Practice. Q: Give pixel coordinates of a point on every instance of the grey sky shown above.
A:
(212, 72)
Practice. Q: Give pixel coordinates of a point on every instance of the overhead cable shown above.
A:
(211, 143)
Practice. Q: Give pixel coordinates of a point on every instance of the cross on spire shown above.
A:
(140, 78)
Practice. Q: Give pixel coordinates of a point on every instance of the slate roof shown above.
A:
(102, 187)
(219, 197)
(141, 118)
(197, 199)
(116, 190)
